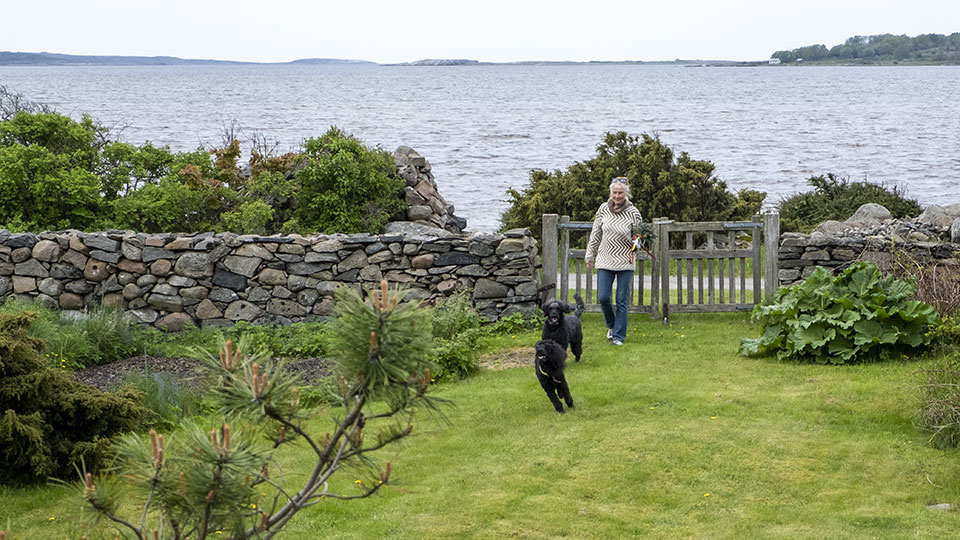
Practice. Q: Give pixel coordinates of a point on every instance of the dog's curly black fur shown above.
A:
(564, 330)
(549, 363)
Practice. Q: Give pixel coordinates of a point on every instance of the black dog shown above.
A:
(564, 330)
(549, 362)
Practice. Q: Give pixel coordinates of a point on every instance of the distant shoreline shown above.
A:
(27, 59)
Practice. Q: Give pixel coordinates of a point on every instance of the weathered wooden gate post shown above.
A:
(548, 259)
(771, 246)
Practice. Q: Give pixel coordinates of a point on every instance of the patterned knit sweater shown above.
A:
(610, 240)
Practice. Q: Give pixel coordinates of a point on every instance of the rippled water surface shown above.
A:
(483, 128)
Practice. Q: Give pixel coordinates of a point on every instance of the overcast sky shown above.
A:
(489, 30)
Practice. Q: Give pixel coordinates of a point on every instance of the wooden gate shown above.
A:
(694, 267)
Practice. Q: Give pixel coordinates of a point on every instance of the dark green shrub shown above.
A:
(682, 189)
(516, 323)
(49, 422)
(456, 330)
(857, 316)
(46, 172)
(345, 187)
(837, 198)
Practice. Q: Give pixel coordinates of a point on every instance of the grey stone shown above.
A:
(31, 267)
(371, 273)
(180, 281)
(308, 297)
(133, 267)
(65, 271)
(955, 231)
(458, 258)
(934, 215)
(146, 280)
(293, 249)
(226, 278)
(50, 286)
(487, 288)
(224, 296)
(131, 291)
(151, 254)
(270, 276)
(198, 293)
(75, 258)
(357, 259)
(245, 266)
(20, 254)
(131, 251)
(314, 257)
(6, 269)
(281, 292)
(165, 302)
(174, 322)
(197, 265)
(349, 277)
(105, 256)
(297, 283)
(327, 246)
(21, 240)
(816, 255)
(161, 267)
(241, 310)
(870, 213)
(71, 301)
(166, 289)
(125, 278)
(381, 257)
(24, 284)
(79, 287)
(6, 285)
(415, 231)
(327, 288)
(258, 295)
(254, 250)
(46, 250)
(422, 261)
(99, 242)
(473, 270)
(285, 308)
(788, 275)
(96, 270)
(306, 269)
(216, 323)
(208, 310)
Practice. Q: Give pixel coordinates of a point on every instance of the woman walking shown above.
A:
(609, 249)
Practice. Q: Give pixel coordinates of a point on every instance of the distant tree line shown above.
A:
(925, 49)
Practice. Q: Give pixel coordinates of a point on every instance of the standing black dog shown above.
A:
(549, 362)
(564, 330)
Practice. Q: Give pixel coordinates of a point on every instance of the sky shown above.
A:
(489, 31)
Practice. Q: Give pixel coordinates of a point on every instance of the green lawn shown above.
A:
(674, 436)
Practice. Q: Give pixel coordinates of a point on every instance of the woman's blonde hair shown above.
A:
(621, 181)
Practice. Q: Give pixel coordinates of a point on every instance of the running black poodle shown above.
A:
(564, 330)
(549, 362)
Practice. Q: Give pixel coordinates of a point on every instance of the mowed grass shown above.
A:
(674, 436)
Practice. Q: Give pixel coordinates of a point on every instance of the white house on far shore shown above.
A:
(773, 61)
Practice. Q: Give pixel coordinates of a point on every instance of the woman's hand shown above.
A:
(589, 265)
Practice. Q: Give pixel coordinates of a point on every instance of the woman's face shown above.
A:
(617, 194)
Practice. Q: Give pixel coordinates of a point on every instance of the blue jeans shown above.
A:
(615, 319)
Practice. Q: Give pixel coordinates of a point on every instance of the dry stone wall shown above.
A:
(211, 280)
(871, 234)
